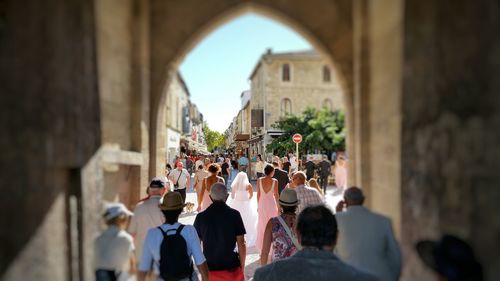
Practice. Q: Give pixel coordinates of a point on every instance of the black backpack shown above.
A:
(175, 264)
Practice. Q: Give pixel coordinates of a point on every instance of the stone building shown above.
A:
(82, 94)
(183, 122)
(175, 115)
(288, 83)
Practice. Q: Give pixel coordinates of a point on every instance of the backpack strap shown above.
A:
(181, 227)
(162, 232)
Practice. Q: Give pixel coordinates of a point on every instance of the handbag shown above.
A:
(176, 184)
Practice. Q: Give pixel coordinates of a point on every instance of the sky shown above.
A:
(216, 71)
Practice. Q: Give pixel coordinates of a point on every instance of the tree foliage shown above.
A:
(322, 131)
(213, 138)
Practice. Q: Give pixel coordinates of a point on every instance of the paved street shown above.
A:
(252, 261)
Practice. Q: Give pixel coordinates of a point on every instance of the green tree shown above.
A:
(213, 138)
(322, 131)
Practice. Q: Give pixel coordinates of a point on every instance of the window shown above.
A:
(327, 103)
(326, 74)
(285, 75)
(286, 106)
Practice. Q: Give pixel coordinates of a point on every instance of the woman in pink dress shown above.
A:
(279, 232)
(204, 197)
(341, 175)
(267, 202)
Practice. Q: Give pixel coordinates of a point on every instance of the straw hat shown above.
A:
(288, 197)
(171, 201)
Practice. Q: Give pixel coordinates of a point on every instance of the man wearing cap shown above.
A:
(308, 196)
(147, 214)
(221, 229)
(366, 240)
(113, 249)
(171, 206)
(181, 179)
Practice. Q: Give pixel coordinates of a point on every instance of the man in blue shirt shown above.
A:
(243, 163)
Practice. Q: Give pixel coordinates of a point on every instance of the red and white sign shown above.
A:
(297, 138)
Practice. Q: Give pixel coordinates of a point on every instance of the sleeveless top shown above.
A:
(282, 243)
(206, 201)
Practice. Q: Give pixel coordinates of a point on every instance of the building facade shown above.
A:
(288, 83)
(183, 121)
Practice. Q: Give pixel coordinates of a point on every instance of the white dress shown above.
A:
(248, 213)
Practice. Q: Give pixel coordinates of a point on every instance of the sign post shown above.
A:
(297, 138)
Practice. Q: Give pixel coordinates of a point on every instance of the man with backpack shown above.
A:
(171, 247)
(221, 229)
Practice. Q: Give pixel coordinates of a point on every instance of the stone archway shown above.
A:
(168, 51)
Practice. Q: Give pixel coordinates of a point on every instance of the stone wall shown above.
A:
(50, 122)
(450, 145)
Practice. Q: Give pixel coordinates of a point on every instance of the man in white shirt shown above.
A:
(147, 214)
(366, 240)
(294, 164)
(181, 179)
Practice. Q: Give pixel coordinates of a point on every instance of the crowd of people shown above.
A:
(298, 236)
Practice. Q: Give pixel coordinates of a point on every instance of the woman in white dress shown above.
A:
(242, 193)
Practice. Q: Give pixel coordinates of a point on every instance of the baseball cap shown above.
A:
(157, 183)
(114, 210)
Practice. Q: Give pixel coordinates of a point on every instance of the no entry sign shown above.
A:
(297, 138)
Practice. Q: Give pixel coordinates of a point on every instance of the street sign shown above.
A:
(297, 138)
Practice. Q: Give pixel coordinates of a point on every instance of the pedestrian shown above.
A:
(114, 247)
(308, 196)
(451, 258)
(280, 232)
(314, 184)
(366, 239)
(199, 176)
(286, 165)
(225, 169)
(281, 176)
(277, 159)
(204, 198)
(310, 168)
(181, 179)
(243, 163)
(147, 214)
(241, 195)
(259, 166)
(317, 233)
(233, 171)
(200, 161)
(221, 228)
(341, 174)
(189, 164)
(294, 163)
(267, 202)
(170, 247)
(325, 169)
